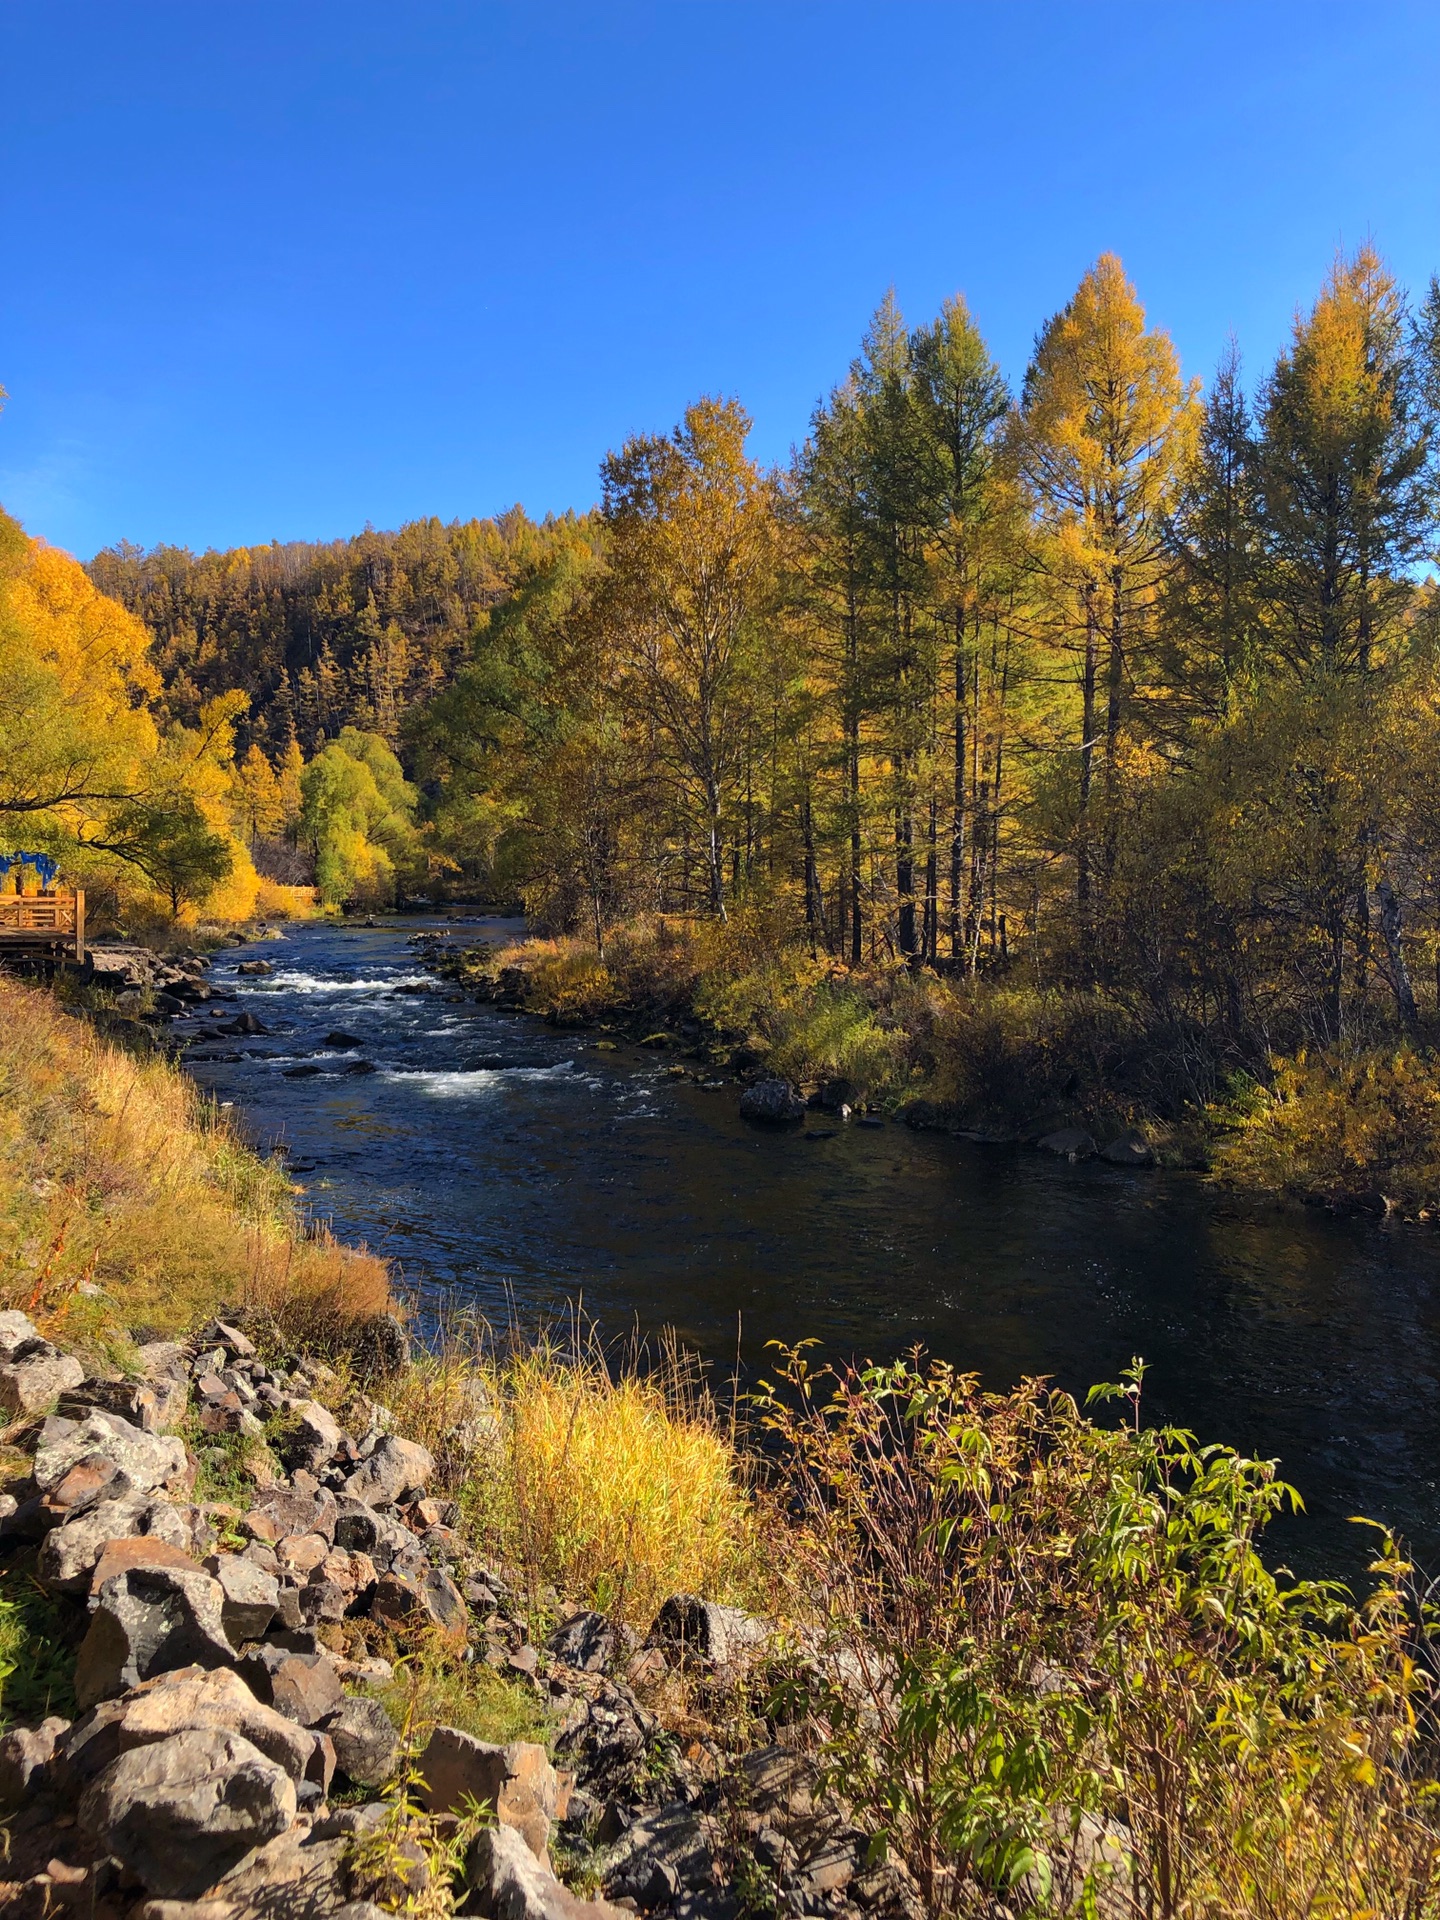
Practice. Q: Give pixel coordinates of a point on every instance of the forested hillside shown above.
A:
(323, 635)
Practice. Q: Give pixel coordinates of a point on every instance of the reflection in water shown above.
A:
(507, 1164)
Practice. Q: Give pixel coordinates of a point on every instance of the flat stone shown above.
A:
(139, 1550)
(292, 1510)
(150, 1620)
(302, 1552)
(184, 1811)
(1071, 1143)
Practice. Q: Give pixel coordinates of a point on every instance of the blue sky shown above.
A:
(274, 268)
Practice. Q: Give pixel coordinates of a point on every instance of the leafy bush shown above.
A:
(1355, 1129)
(1048, 1658)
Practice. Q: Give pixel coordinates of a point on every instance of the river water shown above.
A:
(509, 1166)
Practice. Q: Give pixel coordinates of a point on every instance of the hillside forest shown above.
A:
(1099, 717)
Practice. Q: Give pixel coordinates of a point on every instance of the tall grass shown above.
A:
(126, 1200)
(616, 1484)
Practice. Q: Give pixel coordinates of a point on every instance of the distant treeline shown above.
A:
(323, 634)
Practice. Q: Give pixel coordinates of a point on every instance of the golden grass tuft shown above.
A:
(616, 1486)
(128, 1200)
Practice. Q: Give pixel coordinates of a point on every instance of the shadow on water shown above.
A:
(500, 1162)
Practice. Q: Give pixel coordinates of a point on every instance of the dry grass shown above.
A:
(128, 1201)
(616, 1485)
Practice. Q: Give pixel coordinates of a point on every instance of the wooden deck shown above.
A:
(43, 922)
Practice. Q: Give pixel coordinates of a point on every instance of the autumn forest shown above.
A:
(1117, 693)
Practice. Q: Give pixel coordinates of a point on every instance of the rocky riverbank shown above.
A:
(230, 1579)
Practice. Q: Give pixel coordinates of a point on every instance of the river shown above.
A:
(509, 1166)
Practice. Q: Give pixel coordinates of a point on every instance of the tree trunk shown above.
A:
(1390, 931)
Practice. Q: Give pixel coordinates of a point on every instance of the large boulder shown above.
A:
(516, 1782)
(772, 1103)
(182, 1811)
(395, 1467)
(432, 1600)
(150, 1620)
(148, 1460)
(299, 1509)
(218, 1701)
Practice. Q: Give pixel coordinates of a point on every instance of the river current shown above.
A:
(511, 1167)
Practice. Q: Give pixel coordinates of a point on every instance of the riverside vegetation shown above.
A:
(1071, 748)
(277, 1596)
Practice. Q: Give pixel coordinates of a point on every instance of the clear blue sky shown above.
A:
(274, 268)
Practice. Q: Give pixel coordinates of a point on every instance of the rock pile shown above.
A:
(228, 1759)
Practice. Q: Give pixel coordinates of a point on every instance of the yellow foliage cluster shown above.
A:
(618, 1487)
(1358, 1129)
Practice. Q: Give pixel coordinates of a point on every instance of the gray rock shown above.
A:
(692, 1629)
(588, 1641)
(148, 1459)
(218, 1701)
(69, 1555)
(396, 1467)
(507, 1882)
(1129, 1149)
(670, 1847)
(251, 1596)
(297, 1509)
(183, 1811)
(772, 1102)
(17, 1330)
(365, 1740)
(150, 1620)
(25, 1753)
(36, 1379)
(315, 1439)
(303, 1686)
(1071, 1143)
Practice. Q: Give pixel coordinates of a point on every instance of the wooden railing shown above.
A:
(54, 919)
